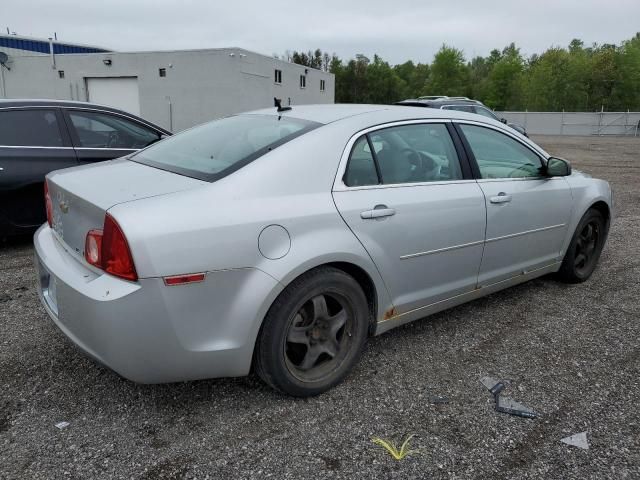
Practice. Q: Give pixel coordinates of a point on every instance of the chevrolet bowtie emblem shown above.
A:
(64, 206)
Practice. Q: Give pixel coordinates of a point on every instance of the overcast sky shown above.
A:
(397, 30)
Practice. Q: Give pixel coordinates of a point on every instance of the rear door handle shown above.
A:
(378, 212)
(500, 198)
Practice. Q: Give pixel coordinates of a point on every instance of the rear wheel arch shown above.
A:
(359, 274)
(366, 284)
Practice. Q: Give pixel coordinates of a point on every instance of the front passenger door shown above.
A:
(101, 136)
(527, 213)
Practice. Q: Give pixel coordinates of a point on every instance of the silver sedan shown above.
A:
(281, 240)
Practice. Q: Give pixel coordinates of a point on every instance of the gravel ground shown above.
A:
(571, 353)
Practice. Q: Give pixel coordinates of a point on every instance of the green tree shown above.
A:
(505, 83)
(575, 78)
(448, 75)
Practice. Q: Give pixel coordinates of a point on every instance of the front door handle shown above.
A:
(500, 198)
(378, 211)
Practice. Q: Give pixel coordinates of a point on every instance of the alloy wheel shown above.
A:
(319, 336)
(586, 246)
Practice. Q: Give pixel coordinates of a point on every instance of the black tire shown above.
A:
(584, 250)
(302, 330)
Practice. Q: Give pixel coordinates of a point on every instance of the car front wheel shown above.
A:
(584, 250)
(313, 334)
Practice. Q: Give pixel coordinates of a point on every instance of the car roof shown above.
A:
(356, 117)
(47, 102)
(322, 113)
(363, 113)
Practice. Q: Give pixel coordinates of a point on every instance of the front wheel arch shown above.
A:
(604, 209)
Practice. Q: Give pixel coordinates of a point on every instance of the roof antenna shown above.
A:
(277, 102)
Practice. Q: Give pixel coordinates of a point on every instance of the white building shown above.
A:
(175, 89)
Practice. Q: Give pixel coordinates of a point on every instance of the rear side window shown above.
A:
(216, 149)
(101, 130)
(405, 154)
(416, 153)
(361, 169)
(30, 128)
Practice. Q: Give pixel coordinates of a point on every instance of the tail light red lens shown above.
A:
(108, 249)
(47, 203)
(116, 255)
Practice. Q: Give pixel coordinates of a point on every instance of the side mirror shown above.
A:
(557, 167)
(503, 120)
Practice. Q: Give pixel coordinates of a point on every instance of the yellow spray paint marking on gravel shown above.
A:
(396, 453)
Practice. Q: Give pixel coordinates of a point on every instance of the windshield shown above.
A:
(216, 149)
(487, 113)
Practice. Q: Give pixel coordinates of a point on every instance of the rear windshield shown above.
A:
(216, 149)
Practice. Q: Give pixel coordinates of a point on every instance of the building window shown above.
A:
(322, 85)
(278, 76)
(303, 81)
(162, 72)
(61, 73)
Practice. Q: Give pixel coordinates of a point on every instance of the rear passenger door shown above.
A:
(99, 135)
(527, 213)
(33, 142)
(412, 203)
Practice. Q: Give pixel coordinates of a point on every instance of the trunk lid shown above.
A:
(80, 196)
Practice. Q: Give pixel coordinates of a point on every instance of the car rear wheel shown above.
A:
(584, 250)
(313, 334)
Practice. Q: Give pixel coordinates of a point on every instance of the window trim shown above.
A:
(340, 186)
(75, 139)
(472, 158)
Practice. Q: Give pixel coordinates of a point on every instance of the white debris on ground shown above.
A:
(62, 425)
(577, 440)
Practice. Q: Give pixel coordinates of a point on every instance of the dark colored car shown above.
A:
(462, 104)
(39, 136)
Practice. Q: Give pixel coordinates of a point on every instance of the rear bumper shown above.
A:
(148, 332)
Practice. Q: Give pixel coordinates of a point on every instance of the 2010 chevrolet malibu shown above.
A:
(281, 240)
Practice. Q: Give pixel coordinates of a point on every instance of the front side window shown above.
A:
(101, 130)
(216, 149)
(416, 153)
(278, 76)
(322, 85)
(500, 156)
(303, 81)
(30, 128)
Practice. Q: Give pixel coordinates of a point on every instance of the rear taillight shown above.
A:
(47, 204)
(108, 249)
